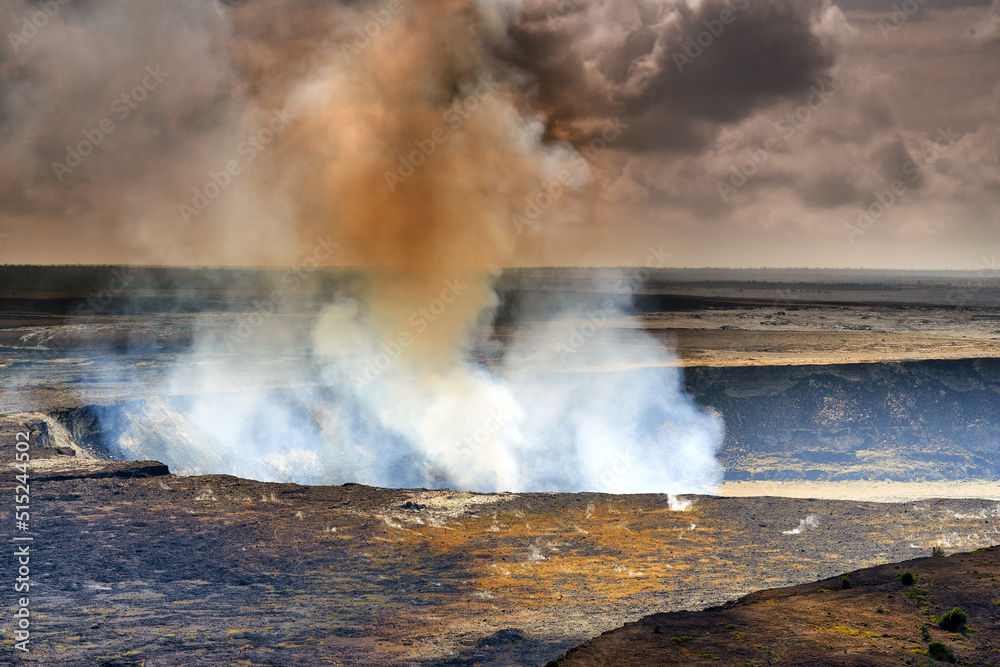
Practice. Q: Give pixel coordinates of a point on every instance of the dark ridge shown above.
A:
(109, 470)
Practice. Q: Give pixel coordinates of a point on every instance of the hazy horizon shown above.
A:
(748, 269)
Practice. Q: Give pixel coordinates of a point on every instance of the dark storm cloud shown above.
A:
(829, 190)
(887, 5)
(671, 72)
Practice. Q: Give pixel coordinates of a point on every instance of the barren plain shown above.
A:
(847, 388)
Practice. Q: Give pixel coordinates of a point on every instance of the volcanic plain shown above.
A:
(838, 384)
(133, 566)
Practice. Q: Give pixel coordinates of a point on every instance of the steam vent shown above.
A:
(500, 333)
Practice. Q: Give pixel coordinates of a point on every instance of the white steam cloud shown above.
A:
(582, 401)
(805, 524)
(545, 419)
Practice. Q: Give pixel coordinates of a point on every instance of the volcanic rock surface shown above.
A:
(878, 621)
(220, 570)
(820, 379)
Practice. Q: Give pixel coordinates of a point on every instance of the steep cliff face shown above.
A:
(929, 420)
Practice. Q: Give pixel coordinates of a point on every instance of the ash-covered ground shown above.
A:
(219, 570)
(820, 380)
(875, 617)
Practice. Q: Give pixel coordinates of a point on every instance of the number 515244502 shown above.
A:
(21, 492)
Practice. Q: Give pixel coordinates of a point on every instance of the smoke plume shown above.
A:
(423, 146)
(412, 138)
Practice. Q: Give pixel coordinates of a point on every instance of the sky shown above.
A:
(491, 133)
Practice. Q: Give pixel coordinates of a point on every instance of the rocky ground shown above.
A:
(819, 382)
(880, 620)
(134, 566)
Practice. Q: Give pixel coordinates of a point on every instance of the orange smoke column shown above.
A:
(412, 150)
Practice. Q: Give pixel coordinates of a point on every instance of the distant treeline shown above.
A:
(76, 280)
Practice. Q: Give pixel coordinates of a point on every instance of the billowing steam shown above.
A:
(810, 522)
(580, 401)
(421, 173)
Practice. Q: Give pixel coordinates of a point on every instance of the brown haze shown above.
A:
(565, 68)
(409, 150)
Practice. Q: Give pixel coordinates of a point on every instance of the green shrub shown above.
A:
(937, 551)
(552, 663)
(953, 620)
(941, 652)
(925, 633)
(658, 628)
(846, 583)
(907, 578)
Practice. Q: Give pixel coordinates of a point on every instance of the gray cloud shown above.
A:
(887, 5)
(568, 67)
(643, 60)
(986, 31)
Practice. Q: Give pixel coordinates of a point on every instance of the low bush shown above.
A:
(953, 620)
(942, 652)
